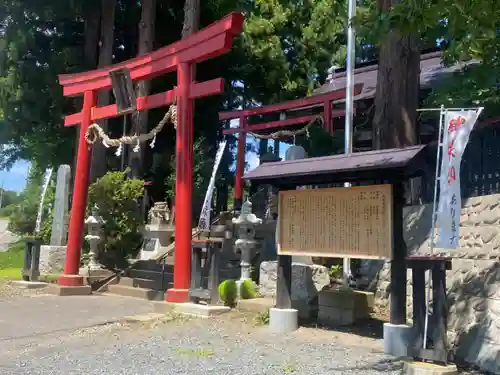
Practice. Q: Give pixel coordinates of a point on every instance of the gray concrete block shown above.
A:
(397, 339)
(283, 320)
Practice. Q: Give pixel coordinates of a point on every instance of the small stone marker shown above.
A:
(61, 203)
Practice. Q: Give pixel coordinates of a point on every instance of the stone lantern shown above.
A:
(94, 237)
(246, 243)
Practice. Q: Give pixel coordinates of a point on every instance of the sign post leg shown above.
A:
(79, 203)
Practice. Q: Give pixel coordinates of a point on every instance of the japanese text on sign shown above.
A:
(457, 128)
(336, 222)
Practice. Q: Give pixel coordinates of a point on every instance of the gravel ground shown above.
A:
(231, 346)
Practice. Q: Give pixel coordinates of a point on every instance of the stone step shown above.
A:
(150, 275)
(152, 265)
(145, 283)
(142, 293)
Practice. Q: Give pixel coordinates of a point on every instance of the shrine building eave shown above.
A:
(389, 165)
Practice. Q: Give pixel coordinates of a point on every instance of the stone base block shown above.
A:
(397, 339)
(64, 291)
(143, 318)
(344, 307)
(283, 320)
(421, 368)
(163, 307)
(334, 316)
(52, 258)
(94, 275)
(29, 284)
(256, 305)
(201, 311)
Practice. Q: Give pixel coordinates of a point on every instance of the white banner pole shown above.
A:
(204, 222)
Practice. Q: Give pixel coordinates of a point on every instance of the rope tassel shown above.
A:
(137, 147)
(119, 150)
(152, 144)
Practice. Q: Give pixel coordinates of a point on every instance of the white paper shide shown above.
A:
(204, 222)
(457, 128)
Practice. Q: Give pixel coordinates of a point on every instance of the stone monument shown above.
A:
(246, 243)
(52, 256)
(158, 233)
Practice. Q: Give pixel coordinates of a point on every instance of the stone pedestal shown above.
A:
(52, 259)
(283, 320)
(341, 307)
(397, 339)
(157, 237)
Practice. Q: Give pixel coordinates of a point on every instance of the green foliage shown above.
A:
(12, 261)
(203, 165)
(335, 271)
(8, 210)
(22, 220)
(40, 39)
(289, 45)
(476, 86)
(228, 292)
(262, 318)
(248, 290)
(10, 198)
(319, 142)
(116, 196)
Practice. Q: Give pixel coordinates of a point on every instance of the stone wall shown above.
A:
(473, 283)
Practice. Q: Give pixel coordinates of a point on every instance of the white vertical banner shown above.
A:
(46, 181)
(457, 127)
(204, 222)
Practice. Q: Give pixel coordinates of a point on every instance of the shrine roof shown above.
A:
(387, 164)
(432, 69)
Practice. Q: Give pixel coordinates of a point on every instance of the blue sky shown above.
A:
(15, 179)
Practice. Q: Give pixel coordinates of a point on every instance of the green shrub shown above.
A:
(8, 210)
(248, 290)
(228, 292)
(116, 196)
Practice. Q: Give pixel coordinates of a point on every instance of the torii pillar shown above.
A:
(206, 44)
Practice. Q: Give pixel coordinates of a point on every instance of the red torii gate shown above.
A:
(206, 44)
(325, 101)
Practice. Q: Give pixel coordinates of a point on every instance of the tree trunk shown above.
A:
(191, 17)
(396, 98)
(91, 41)
(99, 165)
(140, 121)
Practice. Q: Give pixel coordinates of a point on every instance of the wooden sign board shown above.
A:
(351, 222)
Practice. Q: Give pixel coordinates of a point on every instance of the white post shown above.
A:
(349, 108)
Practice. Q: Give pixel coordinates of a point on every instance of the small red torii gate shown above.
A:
(206, 44)
(325, 101)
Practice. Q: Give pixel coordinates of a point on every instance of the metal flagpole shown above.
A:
(442, 139)
(349, 106)
(439, 153)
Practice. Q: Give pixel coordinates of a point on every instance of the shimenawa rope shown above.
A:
(94, 132)
(288, 133)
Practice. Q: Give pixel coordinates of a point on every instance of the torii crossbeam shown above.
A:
(325, 101)
(206, 44)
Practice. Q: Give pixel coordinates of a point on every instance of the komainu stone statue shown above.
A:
(159, 213)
